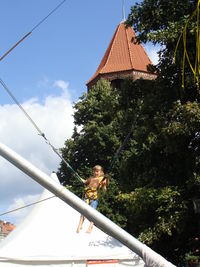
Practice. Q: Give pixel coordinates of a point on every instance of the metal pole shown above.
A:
(123, 12)
(91, 214)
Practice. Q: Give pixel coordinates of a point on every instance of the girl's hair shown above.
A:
(98, 167)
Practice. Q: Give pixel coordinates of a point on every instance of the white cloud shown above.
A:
(54, 118)
(61, 84)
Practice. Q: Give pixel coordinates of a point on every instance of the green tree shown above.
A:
(160, 170)
(164, 153)
(157, 177)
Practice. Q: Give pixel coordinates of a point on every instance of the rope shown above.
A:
(69, 166)
(36, 26)
(195, 70)
(38, 129)
(26, 206)
(116, 156)
(20, 106)
(26, 35)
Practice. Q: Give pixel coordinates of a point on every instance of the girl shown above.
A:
(91, 192)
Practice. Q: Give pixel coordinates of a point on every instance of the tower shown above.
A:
(123, 59)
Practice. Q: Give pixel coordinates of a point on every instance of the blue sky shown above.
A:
(47, 73)
(67, 46)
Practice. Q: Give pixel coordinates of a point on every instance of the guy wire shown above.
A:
(36, 26)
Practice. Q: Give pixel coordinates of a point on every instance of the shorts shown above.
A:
(93, 203)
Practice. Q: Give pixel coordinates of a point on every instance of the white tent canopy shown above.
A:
(47, 237)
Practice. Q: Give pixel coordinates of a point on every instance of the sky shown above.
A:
(47, 73)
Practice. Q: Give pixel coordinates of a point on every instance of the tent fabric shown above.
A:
(47, 237)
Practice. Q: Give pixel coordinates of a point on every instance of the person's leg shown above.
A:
(82, 218)
(89, 230)
(93, 204)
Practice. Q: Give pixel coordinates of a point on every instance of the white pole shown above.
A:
(91, 214)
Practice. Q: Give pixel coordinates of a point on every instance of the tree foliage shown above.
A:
(156, 178)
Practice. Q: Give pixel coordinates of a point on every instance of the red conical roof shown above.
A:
(122, 55)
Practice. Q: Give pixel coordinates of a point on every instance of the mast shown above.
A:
(123, 12)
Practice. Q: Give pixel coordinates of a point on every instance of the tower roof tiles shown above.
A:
(123, 54)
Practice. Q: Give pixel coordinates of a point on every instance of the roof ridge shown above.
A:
(104, 58)
(129, 50)
(111, 46)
